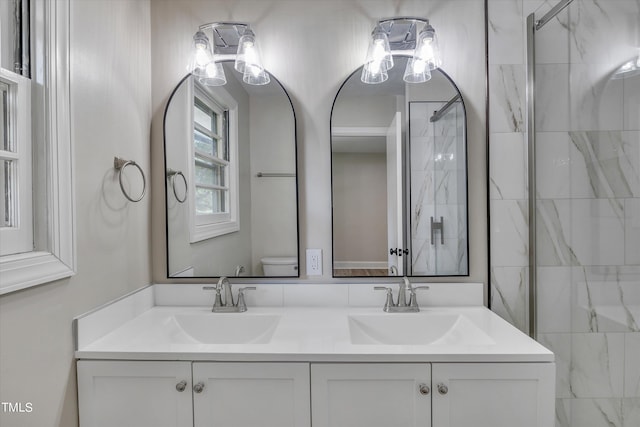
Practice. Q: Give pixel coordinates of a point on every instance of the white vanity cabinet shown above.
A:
(371, 395)
(134, 394)
(437, 394)
(493, 394)
(193, 394)
(300, 394)
(251, 394)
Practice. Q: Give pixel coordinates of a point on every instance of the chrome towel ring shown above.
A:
(172, 179)
(120, 164)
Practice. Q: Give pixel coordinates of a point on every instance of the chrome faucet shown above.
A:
(402, 306)
(239, 270)
(223, 283)
(228, 305)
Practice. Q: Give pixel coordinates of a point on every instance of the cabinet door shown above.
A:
(493, 394)
(134, 394)
(371, 395)
(251, 394)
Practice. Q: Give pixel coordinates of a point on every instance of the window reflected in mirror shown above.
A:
(231, 188)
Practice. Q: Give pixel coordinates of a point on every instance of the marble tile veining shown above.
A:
(508, 171)
(509, 294)
(563, 413)
(596, 413)
(596, 101)
(597, 230)
(606, 299)
(602, 165)
(554, 233)
(506, 32)
(591, 39)
(597, 365)
(507, 83)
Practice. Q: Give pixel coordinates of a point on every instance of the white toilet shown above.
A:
(280, 266)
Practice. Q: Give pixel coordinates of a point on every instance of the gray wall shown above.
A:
(273, 201)
(110, 115)
(360, 202)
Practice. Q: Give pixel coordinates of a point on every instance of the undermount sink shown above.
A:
(415, 329)
(228, 328)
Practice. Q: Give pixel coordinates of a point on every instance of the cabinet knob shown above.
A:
(181, 386)
(424, 389)
(198, 387)
(443, 389)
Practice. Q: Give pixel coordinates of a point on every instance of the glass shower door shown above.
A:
(587, 208)
(438, 197)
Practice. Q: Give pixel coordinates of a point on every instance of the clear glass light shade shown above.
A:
(255, 75)
(201, 54)
(427, 48)
(373, 77)
(213, 75)
(417, 71)
(248, 60)
(379, 59)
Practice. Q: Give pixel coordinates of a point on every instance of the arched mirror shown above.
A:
(231, 187)
(399, 177)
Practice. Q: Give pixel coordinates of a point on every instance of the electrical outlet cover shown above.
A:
(314, 262)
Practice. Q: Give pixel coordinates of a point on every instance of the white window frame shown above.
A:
(210, 226)
(18, 238)
(54, 256)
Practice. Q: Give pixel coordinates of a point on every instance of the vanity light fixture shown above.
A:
(379, 59)
(400, 35)
(228, 41)
(201, 55)
(248, 60)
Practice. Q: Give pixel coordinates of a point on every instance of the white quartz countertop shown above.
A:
(317, 334)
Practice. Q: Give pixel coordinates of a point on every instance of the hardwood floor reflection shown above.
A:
(350, 272)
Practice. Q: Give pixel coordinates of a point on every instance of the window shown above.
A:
(49, 254)
(16, 225)
(214, 206)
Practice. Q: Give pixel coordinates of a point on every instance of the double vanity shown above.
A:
(321, 355)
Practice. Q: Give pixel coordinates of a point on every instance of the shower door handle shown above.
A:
(437, 226)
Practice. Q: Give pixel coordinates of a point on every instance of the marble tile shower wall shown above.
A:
(588, 182)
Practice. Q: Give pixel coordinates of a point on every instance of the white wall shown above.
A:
(110, 115)
(311, 46)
